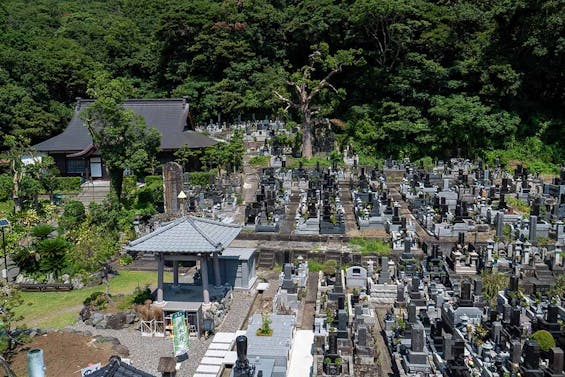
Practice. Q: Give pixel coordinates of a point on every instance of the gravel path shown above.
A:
(145, 352)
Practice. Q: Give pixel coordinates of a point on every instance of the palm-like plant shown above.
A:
(492, 284)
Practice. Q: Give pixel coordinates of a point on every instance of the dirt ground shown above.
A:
(64, 354)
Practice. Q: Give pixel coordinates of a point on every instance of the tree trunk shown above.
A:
(307, 135)
(116, 181)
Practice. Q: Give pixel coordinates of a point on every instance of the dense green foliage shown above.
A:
(544, 339)
(439, 76)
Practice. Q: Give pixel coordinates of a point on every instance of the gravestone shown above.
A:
(287, 282)
(516, 351)
(500, 225)
(384, 275)
(556, 360)
(362, 335)
(532, 232)
(531, 355)
(172, 182)
(417, 342)
(496, 331)
(412, 313)
(356, 277)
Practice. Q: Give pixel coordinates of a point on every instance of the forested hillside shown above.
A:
(432, 77)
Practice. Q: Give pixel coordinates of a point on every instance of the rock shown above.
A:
(20, 279)
(85, 313)
(77, 283)
(32, 333)
(121, 350)
(87, 333)
(107, 339)
(96, 318)
(131, 318)
(65, 278)
(116, 321)
(101, 325)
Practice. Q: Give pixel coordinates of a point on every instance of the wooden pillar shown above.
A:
(176, 272)
(217, 277)
(204, 273)
(160, 266)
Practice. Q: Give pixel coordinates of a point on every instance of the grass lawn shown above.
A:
(371, 246)
(59, 309)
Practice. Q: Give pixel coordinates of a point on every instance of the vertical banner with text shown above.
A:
(180, 333)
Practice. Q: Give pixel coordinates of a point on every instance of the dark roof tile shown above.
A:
(167, 115)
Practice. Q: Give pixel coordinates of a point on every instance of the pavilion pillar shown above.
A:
(217, 277)
(175, 273)
(160, 267)
(204, 273)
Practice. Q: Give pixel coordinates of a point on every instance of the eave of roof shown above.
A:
(187, 235)
(168, 116)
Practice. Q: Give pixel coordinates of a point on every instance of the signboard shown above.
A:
(89, 369)
(180, 333)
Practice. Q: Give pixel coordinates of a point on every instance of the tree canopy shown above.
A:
(440, 77)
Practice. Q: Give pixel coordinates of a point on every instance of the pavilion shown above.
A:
(192, 238)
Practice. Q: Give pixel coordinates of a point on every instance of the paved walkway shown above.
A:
(301, 358)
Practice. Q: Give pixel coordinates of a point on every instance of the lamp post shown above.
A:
(4, 223)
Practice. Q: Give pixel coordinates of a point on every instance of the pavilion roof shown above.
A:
(187, 235)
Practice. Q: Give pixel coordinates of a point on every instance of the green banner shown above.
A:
(180, 333)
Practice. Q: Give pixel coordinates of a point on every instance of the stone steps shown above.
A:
(266, 259)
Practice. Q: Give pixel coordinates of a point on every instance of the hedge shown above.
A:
(200, 178)
(67, 184)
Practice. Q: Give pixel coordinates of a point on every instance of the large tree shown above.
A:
(308, 87)
(123, 139)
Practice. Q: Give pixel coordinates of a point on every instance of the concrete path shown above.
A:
(301, 358)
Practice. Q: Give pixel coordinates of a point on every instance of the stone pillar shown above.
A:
(533, 229)
(175, 273)
(217, 277)
(160, 267)
(204, 273)
(172, 186)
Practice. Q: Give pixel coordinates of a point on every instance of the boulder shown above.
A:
(96, 318)
(85, 313)
(77, 283)
(65, 278)
(131, 317)
(101, 324)
(121, 350)
(116, 321)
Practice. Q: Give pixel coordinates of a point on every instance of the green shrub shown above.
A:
(544, 339)
(126, 259)
(41, 231)
(97, 300)
(67, 184)
(152, 180)
(6, 208)
(73, 214)
(259, 161)
(5, 187)
(200, 178)
(140, 295)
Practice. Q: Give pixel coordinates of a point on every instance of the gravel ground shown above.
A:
(146, 351)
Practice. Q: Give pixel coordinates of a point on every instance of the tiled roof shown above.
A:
(167, 115)
(115, 368)
(188, 234)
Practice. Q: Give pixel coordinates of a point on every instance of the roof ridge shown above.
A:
(215, 222)
(192, 221)
(156, 232)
